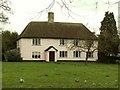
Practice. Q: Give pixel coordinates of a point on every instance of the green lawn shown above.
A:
(59, 75)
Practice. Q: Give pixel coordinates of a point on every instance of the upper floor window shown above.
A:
(35, 55)
(76, 42)
(76, 54)
(63, 41)
(90, 54)
(63, 54)
(36, 41)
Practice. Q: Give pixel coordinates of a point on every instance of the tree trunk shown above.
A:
(5, 56)
(86, 58)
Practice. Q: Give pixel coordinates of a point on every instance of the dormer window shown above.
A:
(36, 41)
(63, 42)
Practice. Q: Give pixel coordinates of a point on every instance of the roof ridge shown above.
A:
(55, 22)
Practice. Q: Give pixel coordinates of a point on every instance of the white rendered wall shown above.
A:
(26, 49)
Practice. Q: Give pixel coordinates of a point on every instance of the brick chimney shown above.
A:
(50, 17)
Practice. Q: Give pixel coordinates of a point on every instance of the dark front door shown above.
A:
(51, 56)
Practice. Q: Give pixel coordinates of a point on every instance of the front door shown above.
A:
(51, 55)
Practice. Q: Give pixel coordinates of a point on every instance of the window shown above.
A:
(63, 42)
(76, 54)
(36, 41)
(90, 54)
(35, 55)
(76, 42)
(63, 54)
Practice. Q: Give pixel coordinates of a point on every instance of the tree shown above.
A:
(108, 39)
(68, 5)
(4, 8)
(8, 42)
(0, 46)
(87, 46)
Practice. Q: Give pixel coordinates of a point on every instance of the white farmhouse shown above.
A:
(51, 41)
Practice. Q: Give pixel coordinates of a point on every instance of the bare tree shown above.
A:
(67, 4)
(4, 7)
(87, 46)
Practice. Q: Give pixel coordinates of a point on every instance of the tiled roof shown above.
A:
(57, 30)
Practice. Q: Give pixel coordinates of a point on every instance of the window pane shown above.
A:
(76, 42)
(76, 53)
(60, 42)
(36, 41)
(33, 55)
(65, 53)
(63, 42)
(79, 54)
(38, 54)
(33, 42)
(90, 54)
(39, 41)
(60, 53)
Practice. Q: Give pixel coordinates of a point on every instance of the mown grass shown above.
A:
(59, 75)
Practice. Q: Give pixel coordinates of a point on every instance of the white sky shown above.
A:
(27, 10)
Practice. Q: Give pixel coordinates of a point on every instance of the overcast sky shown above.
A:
(87, 12)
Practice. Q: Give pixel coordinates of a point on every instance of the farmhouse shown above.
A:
(55, 41)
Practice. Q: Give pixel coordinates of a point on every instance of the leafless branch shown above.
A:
(63, 5)
(66, 5)
(4, 5)
(83, 45)
(4, 8)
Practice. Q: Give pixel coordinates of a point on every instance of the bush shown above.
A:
(103, 58)
(14, 55)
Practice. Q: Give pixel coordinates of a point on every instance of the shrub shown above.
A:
(14, 55)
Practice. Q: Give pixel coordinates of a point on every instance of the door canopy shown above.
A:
(51, 48)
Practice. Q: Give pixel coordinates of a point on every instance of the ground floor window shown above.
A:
(90, 54)
(63, 53)
(76, 54)
(35, 55)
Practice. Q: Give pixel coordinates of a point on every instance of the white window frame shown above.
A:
(76, 42)
(76, 54)
(63, 54)
(63, 42)
(36, 55)
(90, 54)
(36, 41)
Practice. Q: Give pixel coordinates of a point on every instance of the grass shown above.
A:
(59, 75)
